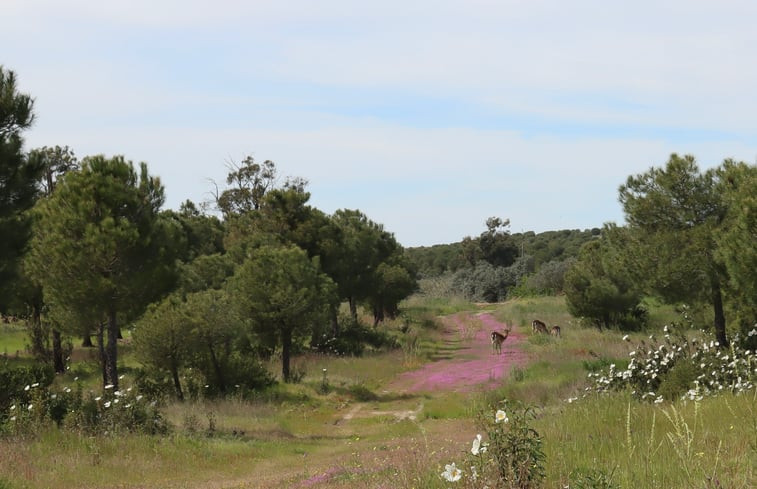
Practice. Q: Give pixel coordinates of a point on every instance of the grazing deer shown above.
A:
(555, 331)
(497, 340)
(539, 327)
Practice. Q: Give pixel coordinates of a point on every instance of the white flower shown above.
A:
(107, 404)
(13, 418)
(67, 389)
(109, 386)
(452, 473)
(30, 407)
(476, 448)
(98, 398)
(115, 401)
(27, 387)
(54, 396)
(120, 377)
(13, 407)
(626, 338)
(139, 397)
(36, 384)
(501, 416)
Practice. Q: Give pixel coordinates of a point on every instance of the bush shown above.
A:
(111, 412)
(510, 455)
(18, 383)
(679, 367)
(352, 340)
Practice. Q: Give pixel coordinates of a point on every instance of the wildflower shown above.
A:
(501, 416)
(98, 398)
(107, 404)
(120, 377)
(67, 390)
(452, 473)
(476, 448)
(139, 397)
(13, 407)
(109, 386)
(27, 387)
(36, 384)
(76, 378)
(54, 396)
(626, 338)
(30, 407)
(13, 418)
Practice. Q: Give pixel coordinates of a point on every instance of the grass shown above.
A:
(708, 444)
(297, 434)
(13, 340)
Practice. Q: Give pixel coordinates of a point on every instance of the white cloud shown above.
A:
(580, 95)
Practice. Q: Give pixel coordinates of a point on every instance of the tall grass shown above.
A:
(708, 444)
(551, 310)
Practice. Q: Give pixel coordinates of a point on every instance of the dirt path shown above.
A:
(471, 367)
(465, 364)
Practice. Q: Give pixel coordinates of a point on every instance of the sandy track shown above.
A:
(471, 367)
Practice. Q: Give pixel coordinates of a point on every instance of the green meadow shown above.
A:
(340, 426)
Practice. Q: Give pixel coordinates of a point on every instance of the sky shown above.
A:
(427, 116)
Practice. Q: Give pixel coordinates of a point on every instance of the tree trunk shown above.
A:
(101, 349)
(217, 368)
(111, 350)
(177, 383)
(37, 335)
(86, 341)
(334, 321)
(717, 303)
(286, 352)
(353, 309)
(58, 363)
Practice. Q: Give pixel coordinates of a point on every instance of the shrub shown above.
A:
(19, 383)
(510, 455)
(111, 412)
(679, 367)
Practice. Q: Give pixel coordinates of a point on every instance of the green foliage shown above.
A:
(487, 283)
(738, 187)
(16, 382)
(18, 179)
(549, 279)
(99, 249)
(284, 295)
(361, 393)
(598, 287)
(591, 479)
(679, 367)
(352, 339)
(111, 412)
(676, 214)
(511, 453)
(249, 182)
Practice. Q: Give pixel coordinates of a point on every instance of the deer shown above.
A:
(555, 331)
(497, 340)
(539, 327)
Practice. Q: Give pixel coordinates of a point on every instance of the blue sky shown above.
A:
(427, 116)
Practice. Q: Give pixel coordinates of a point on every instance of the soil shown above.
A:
(465, 364)
(473, 366)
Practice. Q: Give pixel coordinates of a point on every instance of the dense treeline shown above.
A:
(496, 264)
(88, 250)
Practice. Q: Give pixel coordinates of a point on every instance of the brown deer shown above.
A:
(497, 340)
(539, 327)
(555, 331)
